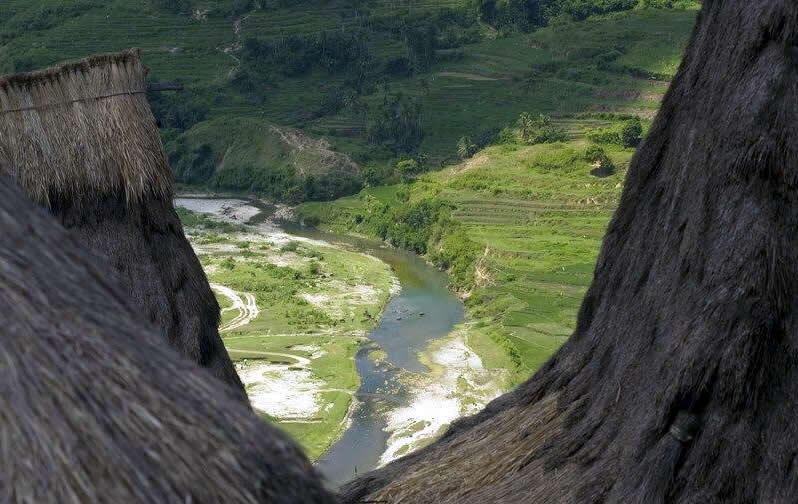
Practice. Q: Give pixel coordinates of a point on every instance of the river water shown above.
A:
(423, 311)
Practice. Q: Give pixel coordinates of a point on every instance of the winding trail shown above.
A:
(300, 361)
(247, 307)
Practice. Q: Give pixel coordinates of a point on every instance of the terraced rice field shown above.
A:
(537, 265)
(538, 217)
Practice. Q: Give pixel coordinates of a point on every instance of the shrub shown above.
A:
(626, 134)
(421, 43)
(311, 221)
(602, 164)
(291, 246)
(503, 340)
(610, 135)
(486, 137)
(457, 254)
(632, 132)
(295, 55)
(402, 195)
(192, 167)
(172, 5)
(541, 129)
(507, 136)
(407, 168)
(396, 123)
(398, 67)
(465, 147)
(411, 226)
(608, 57)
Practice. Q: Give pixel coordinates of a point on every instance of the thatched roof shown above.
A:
(94, 408)
(81, 140)
(83, 128)
(680, 382)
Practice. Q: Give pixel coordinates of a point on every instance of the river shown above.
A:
(424, 310)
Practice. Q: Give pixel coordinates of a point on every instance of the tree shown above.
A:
(678, 384)
(421, 43)
(407, 168)
(526, 126)
(485, 10)
(632, 132)
(397, 123)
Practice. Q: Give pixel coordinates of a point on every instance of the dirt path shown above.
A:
(247, 307)
(300, 361)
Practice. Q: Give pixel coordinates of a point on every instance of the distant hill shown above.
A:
(308, 100)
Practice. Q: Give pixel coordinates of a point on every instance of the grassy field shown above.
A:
(314, 304)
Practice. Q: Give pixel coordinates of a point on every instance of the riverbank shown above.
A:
(458, 384)
(419, 383)
(419, 372)
(408, 376)
(295, 311)
(517, 228)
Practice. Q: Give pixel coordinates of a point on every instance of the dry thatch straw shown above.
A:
(81, 140)
(81, 129)
(680, 381)
(94, 409)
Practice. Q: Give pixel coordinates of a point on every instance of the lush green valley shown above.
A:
(311, 100)
(518, 223)
(491, 137)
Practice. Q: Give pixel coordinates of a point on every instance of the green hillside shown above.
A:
(312, 99)
(518, 224)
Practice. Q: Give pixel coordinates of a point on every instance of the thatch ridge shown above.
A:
(81, 65)
(82, 129)
(95, 409)
(679, 384)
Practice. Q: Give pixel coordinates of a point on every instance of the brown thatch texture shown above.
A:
(94, 158)
(83, 128)
(94, 409)
(680, 382)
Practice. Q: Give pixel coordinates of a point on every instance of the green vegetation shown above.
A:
(601, 161)
(626, 134)
(518, 223)
(194, 220)
(312, 100)
(491, 136)
(315, 306)
(535, 130)
(518, 228)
